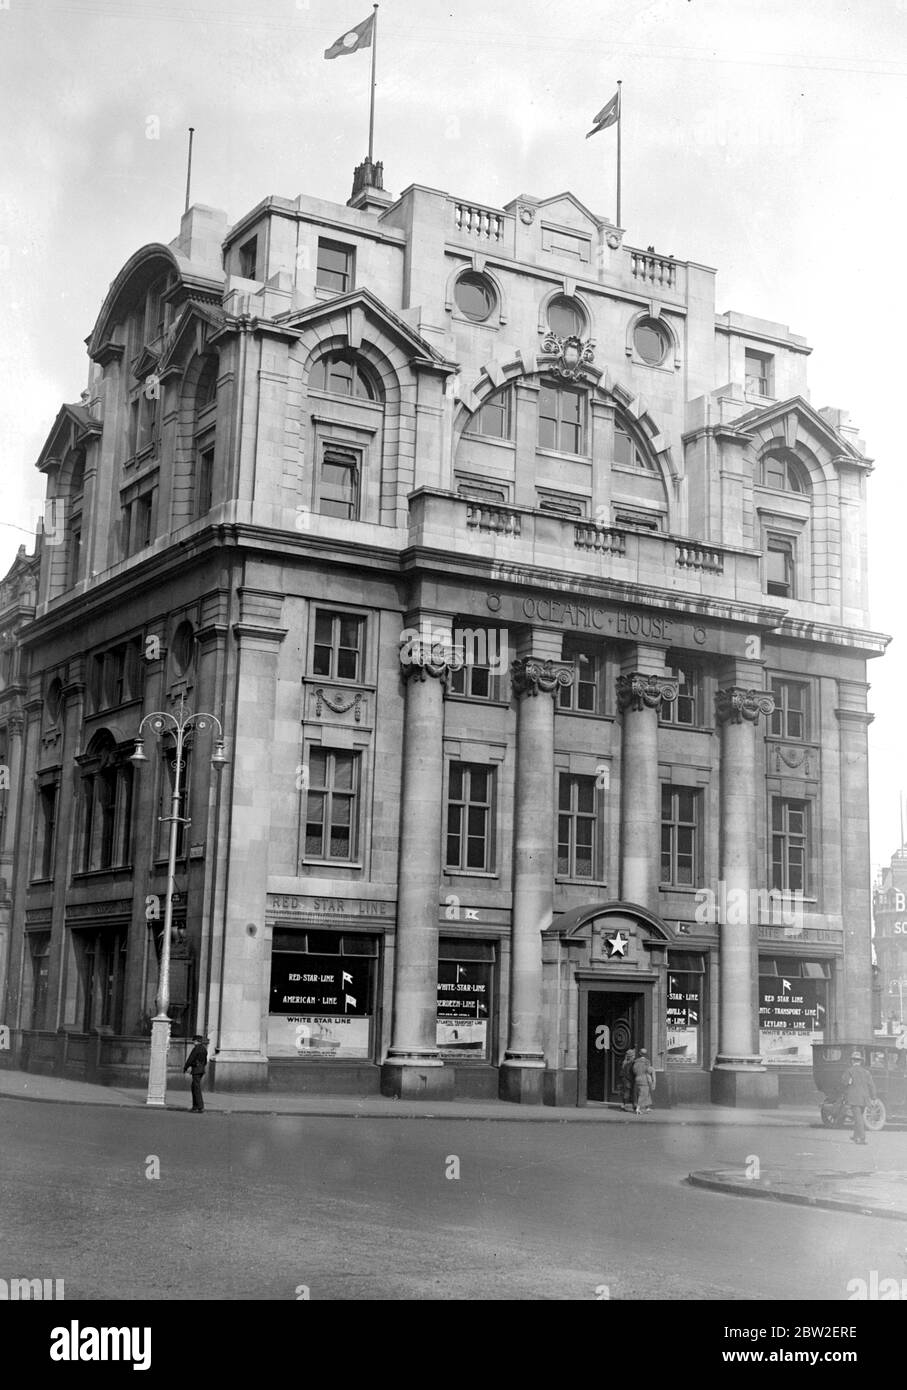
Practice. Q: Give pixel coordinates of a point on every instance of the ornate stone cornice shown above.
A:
(531, 676)
(420, 659)
(638, 691)
(736, 704)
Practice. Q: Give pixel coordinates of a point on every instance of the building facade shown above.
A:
(531, 594)
(889, 910)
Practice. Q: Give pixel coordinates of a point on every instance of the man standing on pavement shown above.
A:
(859, 1090)
(197, 1063)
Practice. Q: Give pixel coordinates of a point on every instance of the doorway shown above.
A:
(614, 1023)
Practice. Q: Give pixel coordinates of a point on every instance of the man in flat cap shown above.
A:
(859, 1090)
(197, 1063)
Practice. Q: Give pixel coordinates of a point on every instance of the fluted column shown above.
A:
(640, 695)
(739, 1076)
(413, 1066)
(536, 681)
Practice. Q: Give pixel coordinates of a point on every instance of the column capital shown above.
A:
(637, 691)
(531, 676)
(420, 659)
(734, 704)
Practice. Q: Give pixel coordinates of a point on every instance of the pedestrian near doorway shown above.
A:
(643, 1082)
(859, 1090)
(197, 1063)
(625, 1078)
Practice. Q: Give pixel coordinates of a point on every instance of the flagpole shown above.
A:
(189, 167)
(619, 117)
(371, 112)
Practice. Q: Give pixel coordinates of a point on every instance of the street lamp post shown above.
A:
(180, 725)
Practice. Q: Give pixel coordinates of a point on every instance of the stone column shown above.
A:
(856, 892)
(413, 1066)
(739, 1076)
(642, 686)
(536, 679)
(12, 798)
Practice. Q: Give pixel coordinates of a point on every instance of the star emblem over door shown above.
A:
(617, 945)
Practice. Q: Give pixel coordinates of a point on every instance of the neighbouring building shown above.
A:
(531, 593)
(889, 908)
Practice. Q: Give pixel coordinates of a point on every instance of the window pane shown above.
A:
(343, 771)
(479, 784)
(349, 632)
(475, 853)
(563, 794)
(476, 820)
(347, 665)
(585, 795)
(317, 767)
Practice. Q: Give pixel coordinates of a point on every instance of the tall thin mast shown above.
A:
(619, 115)
(371, 110)
(189, 167)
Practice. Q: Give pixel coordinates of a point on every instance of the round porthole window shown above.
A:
(565, 318)
(474, 296)
(651, 342)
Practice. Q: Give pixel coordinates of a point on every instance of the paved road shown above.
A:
(252, 1207)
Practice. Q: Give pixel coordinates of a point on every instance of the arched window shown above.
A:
(494, 417)
(627, 451)
(783, 472)
(106, 814)
(562, 418)
(343, 374)
(566, 318)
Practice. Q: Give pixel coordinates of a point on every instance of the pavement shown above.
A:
(867, 1190)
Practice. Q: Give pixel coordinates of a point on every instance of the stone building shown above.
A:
(889, 910)
(531, 593)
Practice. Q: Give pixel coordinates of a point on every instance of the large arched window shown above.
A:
(345, 374)
(783, 472)
(106, 813)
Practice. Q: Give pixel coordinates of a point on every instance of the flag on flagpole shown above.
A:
(608, 115)
(360, 37)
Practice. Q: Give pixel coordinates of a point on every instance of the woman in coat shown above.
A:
(626, 1079)
(643, 1081)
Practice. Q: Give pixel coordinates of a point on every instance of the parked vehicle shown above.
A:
(886, 1059)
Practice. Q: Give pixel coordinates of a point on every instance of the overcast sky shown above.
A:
(765, 139)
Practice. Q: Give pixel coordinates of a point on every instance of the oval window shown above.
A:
(474, 296)
(651, 342)
(183, 649)
(565, 318)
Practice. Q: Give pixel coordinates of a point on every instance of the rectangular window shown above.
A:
(779, 567)
(75, 554)
(338, 482)
(584, 695)
(493, 418)
(331, 814)
(337, 653)
(335, 266)
(577, 827)
(759, 371)
(686, 1008)
(790, 844)
(39, 952)
(204, 475)
(45, 827)
(793, 1008)
(465, 983)
(470, 801)
(322, 997)
(561, 419)
(475, 682)
(790, 717)
(684, 711)
(679, 836)
(248, 259)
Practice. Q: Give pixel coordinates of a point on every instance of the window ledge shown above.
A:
(102, 873)
(491, 439)
(330, 864)
(478, 700)
(468, 873)
(562, 454)
(569, 882)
